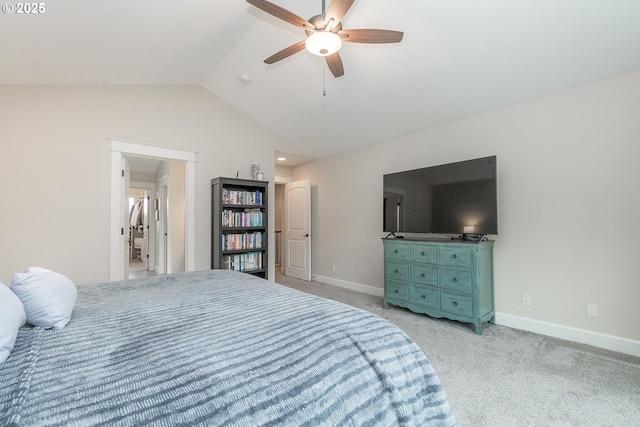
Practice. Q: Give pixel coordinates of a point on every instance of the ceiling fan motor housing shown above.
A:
(318, 23)
(322, 42)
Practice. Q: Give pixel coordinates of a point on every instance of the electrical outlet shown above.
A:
(592, 310)
(526, 299)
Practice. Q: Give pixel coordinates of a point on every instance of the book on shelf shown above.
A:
(243, 262)
(239, 241)
(241, 197)
(246, 218)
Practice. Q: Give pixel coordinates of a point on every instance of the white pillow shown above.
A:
(36, 270)
(48, 297)
(12, 317)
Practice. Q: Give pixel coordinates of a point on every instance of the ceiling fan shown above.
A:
(324, 33)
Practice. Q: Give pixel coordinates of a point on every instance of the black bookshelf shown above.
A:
(239, 225)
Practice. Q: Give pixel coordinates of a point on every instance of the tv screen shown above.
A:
(455, 198)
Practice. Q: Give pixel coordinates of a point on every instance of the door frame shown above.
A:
(121, 149)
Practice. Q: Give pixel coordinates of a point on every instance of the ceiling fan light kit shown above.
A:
(323, 43)
(324, 33)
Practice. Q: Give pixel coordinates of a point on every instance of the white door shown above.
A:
(126, 229)
(144, 256)
(297, 230)
(162, 228)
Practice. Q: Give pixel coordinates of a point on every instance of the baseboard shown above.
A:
(609, 342)
(365, 289)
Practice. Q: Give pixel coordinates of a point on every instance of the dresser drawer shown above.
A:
(427, 254)
(397, 271)
(424, 296)
(396, 251)
(460, 280)
(457, 304)
(456, 256)
(396, 291)
(424, 274)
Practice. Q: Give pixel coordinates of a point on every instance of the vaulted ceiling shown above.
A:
(458, 58)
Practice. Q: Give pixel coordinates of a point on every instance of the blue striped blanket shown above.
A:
(217, 348)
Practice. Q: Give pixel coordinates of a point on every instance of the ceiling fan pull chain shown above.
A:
(324, 80)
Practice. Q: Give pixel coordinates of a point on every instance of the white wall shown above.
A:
(55, 173)
(568, 194)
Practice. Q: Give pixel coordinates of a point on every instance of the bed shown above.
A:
(217, 348)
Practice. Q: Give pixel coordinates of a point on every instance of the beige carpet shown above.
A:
(506, 377)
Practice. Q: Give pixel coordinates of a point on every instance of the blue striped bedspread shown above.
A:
(218, 348)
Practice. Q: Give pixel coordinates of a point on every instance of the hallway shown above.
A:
(138, 271)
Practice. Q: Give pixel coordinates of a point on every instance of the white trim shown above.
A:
(140, 149)
(365, 289)
(121, 148)
(609, 342)
(281, 179)
(596, 339)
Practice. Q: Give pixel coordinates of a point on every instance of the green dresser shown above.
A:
(451, 279)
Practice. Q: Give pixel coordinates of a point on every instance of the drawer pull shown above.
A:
(454, 256)
(423, 297)
(421, 253)
(395, 290)
(455, 303)
(395, 271)
(454, 280)
(422, 274)
(395, 251)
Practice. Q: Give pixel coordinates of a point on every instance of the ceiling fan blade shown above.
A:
(279, 12)
(337, 10)
(285, 53)
(335, 64)
(371, 36)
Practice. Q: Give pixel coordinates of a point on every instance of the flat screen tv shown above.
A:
(455, 198)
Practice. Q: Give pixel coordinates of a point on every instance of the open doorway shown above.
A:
(140, 205)
(170, 245)
(141, 258)
(278, 209)
(155, 208)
